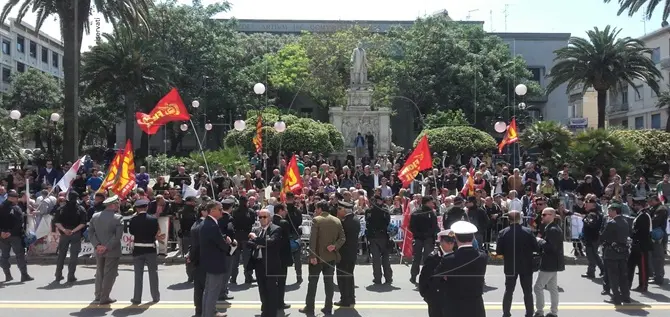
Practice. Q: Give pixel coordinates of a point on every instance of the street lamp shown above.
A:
(259, 89)
(240, 125)
(54, 117)
(15, 115)
(183, 127)
(280, 126)
(208, 126)
(195, 104)
(500, 126)
(521, 90)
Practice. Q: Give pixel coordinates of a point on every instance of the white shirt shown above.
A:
(514, 204)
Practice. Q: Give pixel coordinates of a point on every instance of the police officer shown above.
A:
(348, 253)
(145, 231)
(187, 217)
(639, 253)
(463, 274)
(377, 220)
(430, 286)
(193, 259)
(615, 254)
(70, 222)
(11, 236)
(423, 225)
(659, 222)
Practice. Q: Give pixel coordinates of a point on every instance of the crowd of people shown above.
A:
(223, 223)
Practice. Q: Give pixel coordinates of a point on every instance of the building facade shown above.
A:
(23, 48)
(633, 109)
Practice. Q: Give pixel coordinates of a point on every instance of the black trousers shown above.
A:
(267, 289)
(281, 285)
(617, 278)
(639, 259)
(435, 307)
(345, 282)
(526, 281)
(199, 277)
(328, 270)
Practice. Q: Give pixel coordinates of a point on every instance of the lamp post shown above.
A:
(15, 115)
(53, 118)
(240, 124)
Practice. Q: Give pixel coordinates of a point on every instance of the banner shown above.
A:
(49, 243)
(170, 108)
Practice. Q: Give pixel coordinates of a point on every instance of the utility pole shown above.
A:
(506, 13)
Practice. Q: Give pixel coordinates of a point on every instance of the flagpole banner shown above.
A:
(170, 108)
(419, 160)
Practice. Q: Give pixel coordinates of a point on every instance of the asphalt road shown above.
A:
(42, 297)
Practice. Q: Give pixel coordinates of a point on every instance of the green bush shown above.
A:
(162, 164)
(463, 140)
(552, 139)
(603, 149)
(301, 134)
(231, 158)
(654, 146)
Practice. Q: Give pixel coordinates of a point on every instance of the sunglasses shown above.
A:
(262, 217)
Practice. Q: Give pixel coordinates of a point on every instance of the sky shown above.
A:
(562, 16)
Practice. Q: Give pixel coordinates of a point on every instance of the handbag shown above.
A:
(657, 234)
(295, 245)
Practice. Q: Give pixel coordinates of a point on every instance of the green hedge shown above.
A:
(461, 139)
(654, 146)
(604, 149)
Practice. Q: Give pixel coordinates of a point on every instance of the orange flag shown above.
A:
(292, 181)
(418, 161)
(258, 139)
(126, 180)
(469, 187)
(169, 108)
(510, 137)
(112, 172)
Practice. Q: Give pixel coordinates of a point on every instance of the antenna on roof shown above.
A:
(467, 17)
(491, 20)
(506, 13)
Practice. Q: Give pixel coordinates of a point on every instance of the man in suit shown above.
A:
(214, 248)
(286, 258)
(615, 254)
(193, 258)
(463, 273)
(105, 232)
(266, 259)
(552, 263)
(517, 245)
(227, 229)
(349, 254)
(326, 239)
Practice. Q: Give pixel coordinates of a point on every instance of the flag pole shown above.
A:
(202, 152)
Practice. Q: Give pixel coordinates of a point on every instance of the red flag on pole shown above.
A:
(407, 236)
(292, 181)
(258, 139)
(418, 161)
(510, 137)
(169, 108)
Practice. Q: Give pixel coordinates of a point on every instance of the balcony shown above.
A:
(665, 63)
(617, 108)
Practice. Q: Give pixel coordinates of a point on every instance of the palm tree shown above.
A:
(129, 65)
(664, 101)
(603, 62)
(633, 6)
(74, 20)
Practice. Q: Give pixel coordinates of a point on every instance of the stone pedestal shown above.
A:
(357, 117)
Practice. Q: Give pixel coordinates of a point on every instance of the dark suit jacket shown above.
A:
(516, 244)
(552, 249)
(284, 243)
(269, 246)
(213, 247)
(194, 248)
(464, 284)
(352, 228)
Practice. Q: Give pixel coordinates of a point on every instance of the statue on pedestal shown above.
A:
(359, 68)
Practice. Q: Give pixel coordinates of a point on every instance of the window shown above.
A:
(20, 44)
(624, 95)
(639, 123)
(45, 55)
(656, 55)
(624, 123)
(20, 67)
(656, 121)
(537, 73)
(639, 93)
(33, 49)
(6, 47)
(54, 59)
(6, 75)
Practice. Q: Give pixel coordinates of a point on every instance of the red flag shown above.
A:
(258, 139)
(407, 236)
(510, 137)
(292, 181)
(125, 181)
(418, 161)
(169, 108)
(469, 187)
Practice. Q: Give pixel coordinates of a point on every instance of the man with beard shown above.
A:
(348, 253)
(243, 221)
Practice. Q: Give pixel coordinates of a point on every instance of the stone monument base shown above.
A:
(354, 119)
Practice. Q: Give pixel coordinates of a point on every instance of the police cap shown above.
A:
(463, 227)
(111, 200)
(141, 203)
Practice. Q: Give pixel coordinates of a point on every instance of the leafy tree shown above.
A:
(604, 62)
(663, 102)
(10, 142)
(301, 134)
(39, 128)
(653, 146)
(162, 164)
(593, 149)
(464, 140)
(230, 158)
(550, 137)
(126, 65)
(31, 91)
(74, 20)
(445, 118)
(448, 65)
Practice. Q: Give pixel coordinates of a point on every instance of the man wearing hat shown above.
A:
(145, 231)
(348, 253)
(377, 220)
(659, 222)
(105, 232)
(430, 286)
(70, 222)
(639, 252)
(423, 225)
(11, 236)
(463, 274)
(614, 240)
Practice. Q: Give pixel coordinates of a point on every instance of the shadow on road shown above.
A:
(381, 288)
(180, 286)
